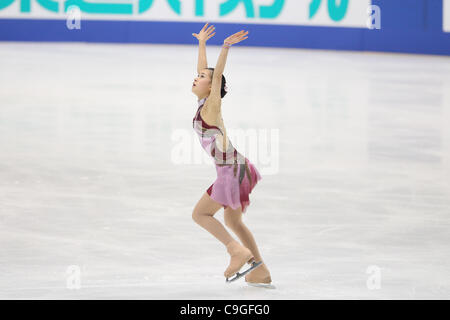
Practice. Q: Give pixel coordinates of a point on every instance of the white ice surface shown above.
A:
(88, 177)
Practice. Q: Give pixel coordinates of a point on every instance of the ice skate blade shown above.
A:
(240, 275)
(261, 285)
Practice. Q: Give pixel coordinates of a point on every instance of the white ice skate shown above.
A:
(239, 256)
(260, 278)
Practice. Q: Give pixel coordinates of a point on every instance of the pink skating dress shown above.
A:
(236, 175)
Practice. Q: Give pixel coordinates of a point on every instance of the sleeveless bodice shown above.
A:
(207, 135)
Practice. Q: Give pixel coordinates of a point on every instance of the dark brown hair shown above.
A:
(224, 82)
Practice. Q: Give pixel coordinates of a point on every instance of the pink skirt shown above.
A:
(232, 187)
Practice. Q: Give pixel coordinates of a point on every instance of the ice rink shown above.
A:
(100, 172)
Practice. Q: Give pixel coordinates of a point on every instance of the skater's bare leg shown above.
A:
(203, 214)
(233, 220)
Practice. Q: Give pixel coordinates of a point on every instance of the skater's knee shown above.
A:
(233, 224)
(197, 215)
(233, 219)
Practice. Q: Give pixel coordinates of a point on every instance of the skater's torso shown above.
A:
(215, 119)
(212, 134)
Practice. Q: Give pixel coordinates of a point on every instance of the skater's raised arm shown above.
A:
(203, 36)
(214, 99)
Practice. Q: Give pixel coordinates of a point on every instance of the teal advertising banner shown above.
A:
(337, 13)
(411, 26)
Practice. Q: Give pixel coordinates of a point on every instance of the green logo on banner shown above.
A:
(268, 11)
(336, 11)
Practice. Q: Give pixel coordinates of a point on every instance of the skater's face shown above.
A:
(202, 83)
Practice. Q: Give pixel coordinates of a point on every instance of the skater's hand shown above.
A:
(237, 37)
(205, 34)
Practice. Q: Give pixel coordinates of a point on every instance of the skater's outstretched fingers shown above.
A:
(237, 37)
(206, 33)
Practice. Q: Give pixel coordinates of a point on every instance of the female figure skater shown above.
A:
(236, 175)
